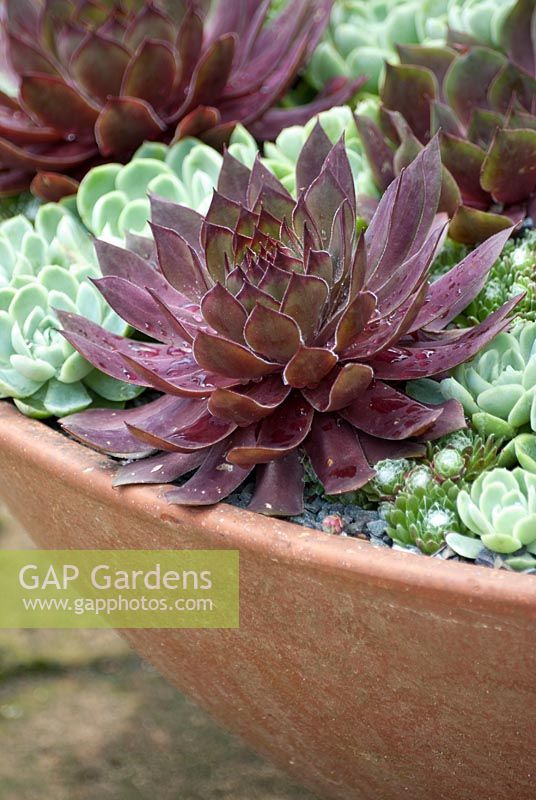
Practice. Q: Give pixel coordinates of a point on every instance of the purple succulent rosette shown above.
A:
(484, 103)
(280, 331)
(97, 77)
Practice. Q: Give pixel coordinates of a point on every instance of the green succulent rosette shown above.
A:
(498, 392)
(43, 267)
(363, 34)
(480, 19)
(500, 511)
(424, 516)
(282, 155)
(112, 200)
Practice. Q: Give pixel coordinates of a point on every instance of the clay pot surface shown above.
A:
(366, 674)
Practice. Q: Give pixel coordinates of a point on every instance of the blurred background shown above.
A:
(83, 718)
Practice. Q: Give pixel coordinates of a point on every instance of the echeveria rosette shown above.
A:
(113, 199)
(282, 331)
(98, 77)
(500, 510)
(498, 392)
(484, 103)
(44, 268)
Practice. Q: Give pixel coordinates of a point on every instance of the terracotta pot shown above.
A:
(367, 674)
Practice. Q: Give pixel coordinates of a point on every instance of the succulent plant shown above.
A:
(363, 34)
(282, 155)
(113, 200)
(43, 268)
(98, 77)
(500, 509)
(423, 517)
(484, 103)
(478, 454)
(388, 481)
(497, 389)
(282, 329)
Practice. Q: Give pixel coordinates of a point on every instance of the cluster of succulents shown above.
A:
(96, 78)
(363, 34)
(284, 329)
(113, 199)
(497, 390)
(499, 513)
(483, 101)
(331, 292)
(43, 268)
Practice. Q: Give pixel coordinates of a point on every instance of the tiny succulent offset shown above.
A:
(95, 78)
(281, 331)
(44, 268)
(483, 101)
(113, 200)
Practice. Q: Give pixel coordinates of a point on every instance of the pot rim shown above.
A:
(496, 592)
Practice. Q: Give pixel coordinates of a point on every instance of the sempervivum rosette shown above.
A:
(484, 103)
(98, 77)
(282, 331)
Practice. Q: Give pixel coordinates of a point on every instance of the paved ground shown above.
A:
(81, 718)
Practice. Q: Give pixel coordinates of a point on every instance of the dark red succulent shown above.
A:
(283, 332)
(484, 103)
(98, 77)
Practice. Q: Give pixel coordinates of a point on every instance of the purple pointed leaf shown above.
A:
(379, 449)
(210, 75)
(224, 357)
(410, 89)
(185, 435)
(180, 264)
(162, 468)
(463, 92)
(151, 74)
(464, 160)
(224, 313)
(304, 301)
(106, 430)
(279, 487)
(451, 294)
(185, 221)
(312, 157)
(336, 455)
(250, 405)
(512, 153)
(216, 478)
(308, 366)
(340, 388)
(274, 335)
(124, 123)
(430, 358)
(98, 65)
(378, 152)
(53, 102)
(218, 249)
(357, 315)
(279, 434)
(383, 412)
(452, 419)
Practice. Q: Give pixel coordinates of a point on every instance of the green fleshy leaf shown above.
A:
(98, 182)
(134, 178)
(501, 543)
(487, 425)
(525, 451)
(33, 369)
(521, 563)
(26, 300)
(63, 399)
(74, 369)
(464, 546)
(112, 389)
(13, 384)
